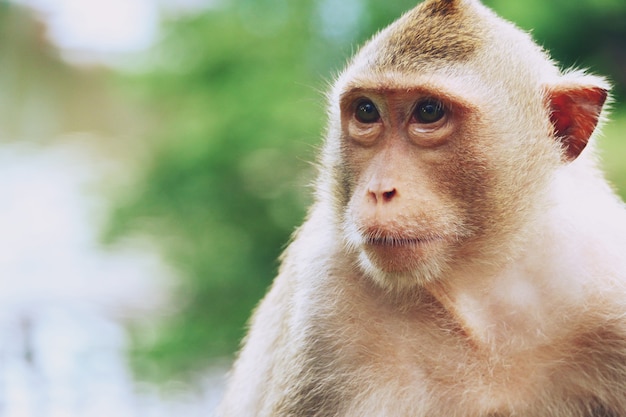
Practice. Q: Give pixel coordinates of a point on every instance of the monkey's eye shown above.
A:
(366, 112)
(429, 111)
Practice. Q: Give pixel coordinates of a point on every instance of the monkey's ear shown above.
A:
(574, 112)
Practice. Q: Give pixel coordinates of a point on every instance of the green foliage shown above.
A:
(227, 182)
(238, 112)
(613, 150)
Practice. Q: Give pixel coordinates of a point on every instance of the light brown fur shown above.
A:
(471, 267)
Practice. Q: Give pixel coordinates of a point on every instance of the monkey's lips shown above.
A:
(395, 253)
(399, 242)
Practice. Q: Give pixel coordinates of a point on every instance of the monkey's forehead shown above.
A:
(443, 84)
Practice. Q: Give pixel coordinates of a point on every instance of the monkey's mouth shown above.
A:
(396, 252)
(393, 241)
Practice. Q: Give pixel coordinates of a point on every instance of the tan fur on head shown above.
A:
(465, 256)
(437, 30)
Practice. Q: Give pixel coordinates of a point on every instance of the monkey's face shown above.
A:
(443, 140)
(417, 176)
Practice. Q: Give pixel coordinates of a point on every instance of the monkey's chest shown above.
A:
(444, 372)
(406, 366)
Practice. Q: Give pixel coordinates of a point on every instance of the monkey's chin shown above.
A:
(403, 265)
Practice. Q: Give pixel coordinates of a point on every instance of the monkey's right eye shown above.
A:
(366, 112)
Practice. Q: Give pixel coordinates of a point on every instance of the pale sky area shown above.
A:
(107, 26)
(99, 25)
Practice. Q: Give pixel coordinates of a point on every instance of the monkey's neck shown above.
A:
(526, 303)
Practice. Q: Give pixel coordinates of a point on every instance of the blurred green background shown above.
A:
(220, 122)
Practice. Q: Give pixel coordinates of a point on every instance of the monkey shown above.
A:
(464, 254)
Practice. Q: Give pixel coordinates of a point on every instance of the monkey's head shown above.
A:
(445, 132)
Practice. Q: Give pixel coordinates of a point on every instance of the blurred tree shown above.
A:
(235, 92)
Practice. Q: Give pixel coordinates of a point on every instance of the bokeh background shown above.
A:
(156, 155)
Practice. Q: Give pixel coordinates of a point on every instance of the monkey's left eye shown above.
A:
(366, 112)
(429, 111)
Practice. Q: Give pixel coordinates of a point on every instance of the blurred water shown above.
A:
(64, 300)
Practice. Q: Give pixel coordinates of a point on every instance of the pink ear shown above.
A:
(575, 111)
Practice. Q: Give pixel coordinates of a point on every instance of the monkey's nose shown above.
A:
(383, 195)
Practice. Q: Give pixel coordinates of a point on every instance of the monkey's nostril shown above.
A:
(388, 195)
